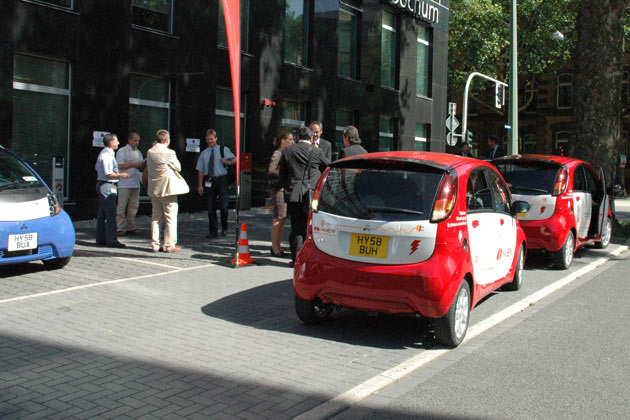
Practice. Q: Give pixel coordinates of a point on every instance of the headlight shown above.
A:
(53, 205)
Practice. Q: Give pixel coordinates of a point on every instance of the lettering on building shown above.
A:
(420, 9)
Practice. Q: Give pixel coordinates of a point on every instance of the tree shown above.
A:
(597, 87)
(479, 38)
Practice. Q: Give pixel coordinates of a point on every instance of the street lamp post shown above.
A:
(513, 87)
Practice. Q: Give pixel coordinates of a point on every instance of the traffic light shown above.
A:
(469, 136)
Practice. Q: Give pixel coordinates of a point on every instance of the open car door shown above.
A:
(604, 204)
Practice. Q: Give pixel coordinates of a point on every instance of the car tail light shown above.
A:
(562, 180)
(445, 200)
(53, 205)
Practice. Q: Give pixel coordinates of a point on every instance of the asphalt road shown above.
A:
(567, 358)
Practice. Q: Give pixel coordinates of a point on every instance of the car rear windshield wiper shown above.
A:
(394, 210)
(515, 187)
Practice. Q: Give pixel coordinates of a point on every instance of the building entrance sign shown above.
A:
(420, 9)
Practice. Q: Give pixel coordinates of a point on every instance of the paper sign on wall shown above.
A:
(97, 138)
(192, 145)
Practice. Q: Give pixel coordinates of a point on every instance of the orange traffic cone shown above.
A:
(243, 249)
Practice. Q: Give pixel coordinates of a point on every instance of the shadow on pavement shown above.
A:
(270, 307)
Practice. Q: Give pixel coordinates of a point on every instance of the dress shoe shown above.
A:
(173, 249)
(155, 249)
(116, 245)
(120, 233)
(211, 235)
(134, 232)
(277, 254)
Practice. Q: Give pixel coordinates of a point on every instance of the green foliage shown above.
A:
(479, 37)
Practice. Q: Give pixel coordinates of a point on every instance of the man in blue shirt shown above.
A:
(213, 181)
(107, 191)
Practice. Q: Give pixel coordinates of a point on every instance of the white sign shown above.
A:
(22, 241)
(452, 120)
(452, 108)
(192, 145)
(451, 140)
(97, 138)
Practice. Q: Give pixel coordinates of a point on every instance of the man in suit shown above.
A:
(465, 150)
(352, 143)
(299, 164)
(160, 161)
(496, 151)
(319, 142)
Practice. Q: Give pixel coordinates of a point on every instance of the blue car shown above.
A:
(33, 226)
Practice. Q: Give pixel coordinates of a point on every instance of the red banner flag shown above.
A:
(231, 12)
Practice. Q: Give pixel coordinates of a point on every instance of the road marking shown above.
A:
(344, 401)
(147, 262)
(103, 283)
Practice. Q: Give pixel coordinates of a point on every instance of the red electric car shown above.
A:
(418, 233)
(569, 204)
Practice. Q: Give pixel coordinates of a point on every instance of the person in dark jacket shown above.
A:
(496, 151)
(352, 143)
(301, 165)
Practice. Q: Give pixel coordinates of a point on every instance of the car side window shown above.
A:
(579, 182)
(478, 194)
(591, 182)
(500, 194)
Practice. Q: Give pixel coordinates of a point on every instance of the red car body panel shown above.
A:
(428, 287)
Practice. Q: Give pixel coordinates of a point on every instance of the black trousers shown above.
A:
(299, 220)
(217, 197)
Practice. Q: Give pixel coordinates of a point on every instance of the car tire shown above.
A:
(312, 311)
(57, 263)
(450, 330)
(562, 258)
(606, 235)
(517, 281)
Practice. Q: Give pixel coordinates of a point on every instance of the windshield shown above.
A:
(528, 178)
(383, 194)
(14, 174)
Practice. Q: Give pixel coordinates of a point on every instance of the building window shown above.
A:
(529, 143)
(531, 97)
(564, 91)
(388, 50)
(222, 34)
(66, 4)
(149, 107)
(224, 124)
(423, 62)
(347, 33)
(385, 133)
(153, 14)
(562, 143)
(293, 117)
(41, 108)
(422, 134)
(296, 31)
(344, 118)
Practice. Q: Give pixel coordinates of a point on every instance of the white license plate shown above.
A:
(23, 241)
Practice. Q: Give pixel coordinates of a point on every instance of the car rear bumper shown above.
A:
(55, 239)
(426, 288)
(548, 234)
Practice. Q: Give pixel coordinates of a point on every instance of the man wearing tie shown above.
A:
(319, 142)
(496, 151)
(213, 182)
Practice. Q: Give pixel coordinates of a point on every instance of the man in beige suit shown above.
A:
(161, 165)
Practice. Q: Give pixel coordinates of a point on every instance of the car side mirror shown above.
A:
(519, 208)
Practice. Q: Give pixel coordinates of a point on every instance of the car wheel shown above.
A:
(312, 311)
(606, 234)
(517, 281)
(562, 259)
(450, 330)
(56, 264)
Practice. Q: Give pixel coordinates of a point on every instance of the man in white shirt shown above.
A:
(130, 161)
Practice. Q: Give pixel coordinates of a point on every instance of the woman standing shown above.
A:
(277, 192)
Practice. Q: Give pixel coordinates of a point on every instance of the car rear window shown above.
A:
(529, 178)
(14, 174)
(382, 194)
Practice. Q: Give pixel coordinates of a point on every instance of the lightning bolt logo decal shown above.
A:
(414, 246)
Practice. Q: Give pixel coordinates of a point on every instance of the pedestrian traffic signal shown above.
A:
(469, 136)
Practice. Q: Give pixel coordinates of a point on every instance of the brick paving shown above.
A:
(183, 335)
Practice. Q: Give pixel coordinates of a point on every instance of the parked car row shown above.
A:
(432, 234)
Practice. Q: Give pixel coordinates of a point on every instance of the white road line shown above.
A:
(104, 283)
(147, 262)
(388, 377)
